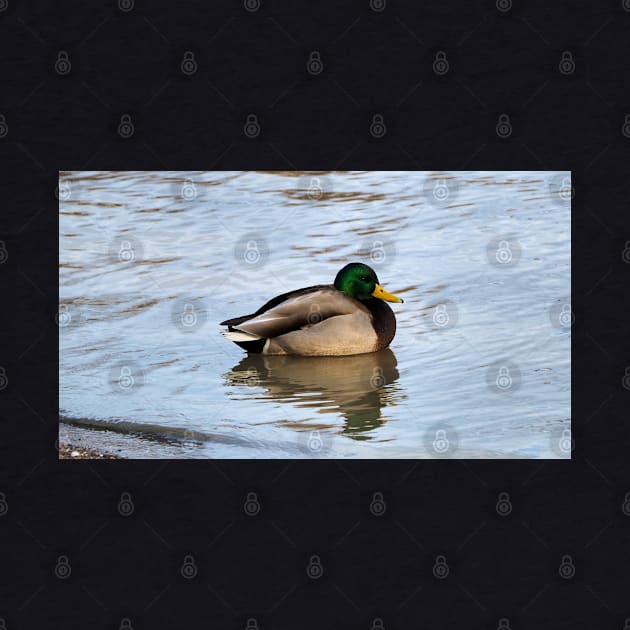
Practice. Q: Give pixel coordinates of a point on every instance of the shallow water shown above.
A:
(151, 262)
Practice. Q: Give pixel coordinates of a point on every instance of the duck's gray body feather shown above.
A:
(316, 321)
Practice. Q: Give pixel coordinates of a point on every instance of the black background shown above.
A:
(374, 63)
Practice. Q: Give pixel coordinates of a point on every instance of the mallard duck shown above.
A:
(349, 316)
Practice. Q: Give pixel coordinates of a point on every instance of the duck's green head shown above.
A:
(360, 282)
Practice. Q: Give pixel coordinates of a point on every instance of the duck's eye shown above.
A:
(364, 279)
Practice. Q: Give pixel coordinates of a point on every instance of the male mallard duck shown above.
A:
(347, 317)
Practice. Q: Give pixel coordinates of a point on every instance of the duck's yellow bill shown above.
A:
(381, 294)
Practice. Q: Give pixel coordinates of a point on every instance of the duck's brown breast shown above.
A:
(383, 321)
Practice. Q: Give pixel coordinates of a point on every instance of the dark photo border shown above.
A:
(393, 85)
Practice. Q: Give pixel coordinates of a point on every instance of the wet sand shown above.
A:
(69, 451)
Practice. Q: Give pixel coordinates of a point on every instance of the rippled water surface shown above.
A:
(151, 262)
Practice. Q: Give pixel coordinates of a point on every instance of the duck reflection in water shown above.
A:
(358, 387)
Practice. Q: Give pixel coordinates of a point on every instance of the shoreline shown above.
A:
(71, 451)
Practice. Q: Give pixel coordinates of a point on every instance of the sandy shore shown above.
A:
(68, 451)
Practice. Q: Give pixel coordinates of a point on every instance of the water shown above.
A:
(151, 262)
